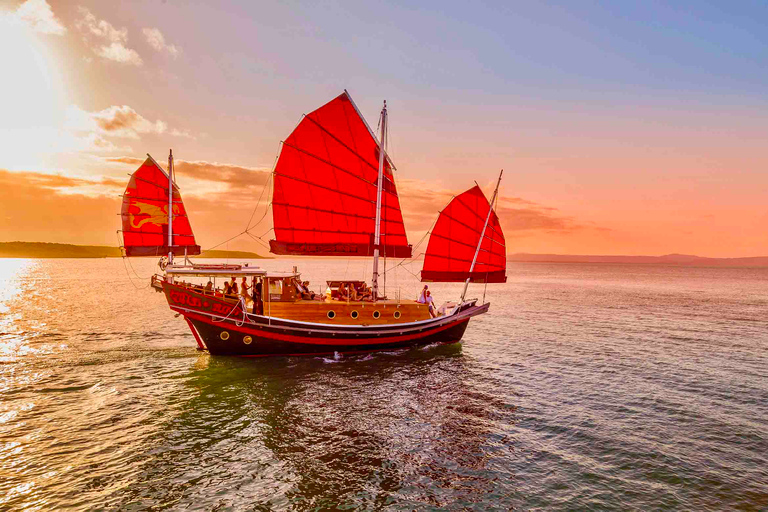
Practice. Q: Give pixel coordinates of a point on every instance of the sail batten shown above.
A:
(455, 238)
(325, 183)
(144, 215)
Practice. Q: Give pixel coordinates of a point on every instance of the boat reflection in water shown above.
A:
(299, 433)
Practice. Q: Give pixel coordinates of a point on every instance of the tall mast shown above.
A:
(170, 207)
(482, 235)
(377, 235)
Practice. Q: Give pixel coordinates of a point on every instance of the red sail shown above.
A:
(454, 238)
(145, 215)
(325, 185)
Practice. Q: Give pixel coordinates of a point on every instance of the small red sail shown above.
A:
(145, 215)
(454, 238)
(325, 183)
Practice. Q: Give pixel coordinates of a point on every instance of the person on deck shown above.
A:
(209, 286)
(423, 295)
(343, 293)
(227, 288)
(258, 304)
(431, 303)
(365, 292)
(244, 288)
(308, 293)
(352, 292)
(233, 290)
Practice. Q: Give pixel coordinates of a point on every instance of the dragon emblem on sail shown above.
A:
(157, 215)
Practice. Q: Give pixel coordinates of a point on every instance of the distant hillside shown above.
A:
(668, 259)
(46, 250)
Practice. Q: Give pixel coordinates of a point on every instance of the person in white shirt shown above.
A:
(430, 302)
(423, 295)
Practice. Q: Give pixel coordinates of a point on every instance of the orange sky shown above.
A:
(597, 160)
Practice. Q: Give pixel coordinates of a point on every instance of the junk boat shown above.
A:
(334, 194)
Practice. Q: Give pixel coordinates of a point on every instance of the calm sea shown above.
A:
(587, 386)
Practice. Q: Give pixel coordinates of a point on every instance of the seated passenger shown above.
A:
(365, 292)
(423, 295)
(430, 302)
(209, 286)
(343, 293)
(352, 292)
(233, 290)
(308, 294)
(227, 288)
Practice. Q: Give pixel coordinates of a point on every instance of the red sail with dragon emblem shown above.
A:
(145, 215)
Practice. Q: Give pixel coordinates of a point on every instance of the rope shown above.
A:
(240, 303)
(128, 274)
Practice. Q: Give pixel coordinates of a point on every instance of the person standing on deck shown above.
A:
(244, 289)
(234, 286)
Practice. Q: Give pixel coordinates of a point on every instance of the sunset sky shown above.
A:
(622, 127)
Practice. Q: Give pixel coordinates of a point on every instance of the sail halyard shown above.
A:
(482, 236)
(379, 186)
(326, 186)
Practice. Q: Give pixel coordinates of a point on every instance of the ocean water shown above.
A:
(604, 387)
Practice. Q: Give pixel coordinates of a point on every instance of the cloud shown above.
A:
(57, 208)
(239, 182)
(118, 53)
(38, 16)
(105, 40)
(116, 121)
(421, 204)
(126, 122)
(156, 40)
(51, 208)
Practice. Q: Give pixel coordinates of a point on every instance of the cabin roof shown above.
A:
(225, 270)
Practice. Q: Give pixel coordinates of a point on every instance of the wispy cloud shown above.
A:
(156, 40)
(421, 203)
(117, 121)
(105, 40)
(38, 16)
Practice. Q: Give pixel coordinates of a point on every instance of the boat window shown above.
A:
(396, 314)
(376, 314)
(331, 314)
(275, 289)
(354, 314)
(224, 335)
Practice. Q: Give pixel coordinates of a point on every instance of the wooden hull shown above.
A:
(279, 341)
(229, 331)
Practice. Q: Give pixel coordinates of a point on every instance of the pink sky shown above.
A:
(616, 153)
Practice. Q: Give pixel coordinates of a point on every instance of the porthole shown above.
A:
(331, 315)
(376, 314)
(247, 340)
(396, 314)
(224, 335)
(354, 314)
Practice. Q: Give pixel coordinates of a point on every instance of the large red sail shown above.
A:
(325, 185)
(453, 242)
(145, 215)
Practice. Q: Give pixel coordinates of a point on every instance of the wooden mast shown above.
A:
(482, 235)
(170, 207)
(380, 183)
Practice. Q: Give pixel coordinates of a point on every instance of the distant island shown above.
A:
(47, 250)
(668, 259)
